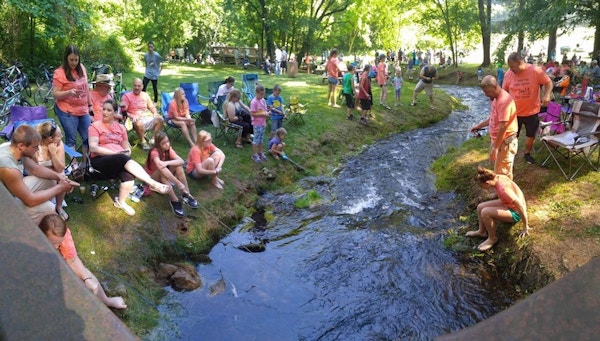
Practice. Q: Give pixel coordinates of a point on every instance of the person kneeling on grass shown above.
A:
(205, 159)
(111, 156)
(165, 166)
(510, 207)
(276, 144)
(57, 232)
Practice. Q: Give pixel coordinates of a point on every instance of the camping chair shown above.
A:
(295, 110)
(192, 94)
(250, 81)
(221, 122)
(580, 141)
(165, 100)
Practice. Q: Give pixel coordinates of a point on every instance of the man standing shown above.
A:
(426, 76)
(523, 81)
(284, 58)
(34, 191)
(503, 127)
(142, 112)
(277, 60)
(152, 60)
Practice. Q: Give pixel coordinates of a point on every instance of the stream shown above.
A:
(367, 263)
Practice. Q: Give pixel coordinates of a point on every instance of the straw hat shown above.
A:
(104, 78)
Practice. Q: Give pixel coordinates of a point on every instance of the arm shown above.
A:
(521, 208)
(97, 149)
(500, 135)
(480, 125)
(547, 93)
(13, 180)
(83, 273)
(57, 155)
(230, 112)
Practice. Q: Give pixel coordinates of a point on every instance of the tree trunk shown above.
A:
(594, 53)
(520, 42)
(552, 42)
(485, 18)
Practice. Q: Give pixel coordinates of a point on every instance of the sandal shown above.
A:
(63, 215)
(161, 188)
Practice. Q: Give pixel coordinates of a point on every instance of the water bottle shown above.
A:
(94, 190)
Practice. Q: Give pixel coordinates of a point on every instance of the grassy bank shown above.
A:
(126, 250)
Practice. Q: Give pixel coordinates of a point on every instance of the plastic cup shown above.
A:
(82, 189)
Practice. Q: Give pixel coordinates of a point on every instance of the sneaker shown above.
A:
(262, 156)
(256, 158)
(336, 106)
(329, 104)
(351, 117)
(189, 200)
(126, 208)
(363, 121)
(146, 146)
(530, 160)
(177, 208)
(412, 104)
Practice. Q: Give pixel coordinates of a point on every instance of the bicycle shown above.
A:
(14, 75)
(10, 96)
(43, 95)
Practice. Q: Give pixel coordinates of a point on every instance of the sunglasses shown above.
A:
(52, 131)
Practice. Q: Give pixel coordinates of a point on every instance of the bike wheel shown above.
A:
(24, 103)
(41, 80)
(4, 114)
(43, 96)
(27, 91)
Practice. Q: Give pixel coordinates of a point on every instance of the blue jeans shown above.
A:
(73, 124)
(276, 123)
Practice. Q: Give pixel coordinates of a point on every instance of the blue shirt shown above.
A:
(277, 103)
(152, 65)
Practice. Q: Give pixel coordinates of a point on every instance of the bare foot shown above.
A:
(486, 245)
(217, 184)
(115, 302)
(476, 234)
(220, 181)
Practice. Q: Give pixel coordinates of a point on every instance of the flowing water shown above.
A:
(368, 263)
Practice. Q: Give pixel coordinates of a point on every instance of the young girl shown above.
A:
(398, 83)
(205, 159)
(382, 73)
(164, 165)
(332, 77)
(510, 207)
(52, 155)
(276, 144)
(364, 94)
(259, 113)
(179, 114)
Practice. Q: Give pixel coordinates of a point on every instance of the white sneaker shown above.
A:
(122, 205)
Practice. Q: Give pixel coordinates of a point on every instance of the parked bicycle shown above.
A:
(15, 77)
(43, 94)
(10, 96)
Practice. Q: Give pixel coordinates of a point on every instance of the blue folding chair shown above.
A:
(166, 98)
(250, 81)
(191, 93)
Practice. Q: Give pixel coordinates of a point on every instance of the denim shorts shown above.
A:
(72, 125)
(333, 80)
(276, 124)
(259, 134)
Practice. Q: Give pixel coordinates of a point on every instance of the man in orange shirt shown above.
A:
(503, 127)
(141, 110)
(523, 82)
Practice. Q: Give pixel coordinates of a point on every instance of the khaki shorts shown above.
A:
(427, 86)
(35, 184)
(147, 120)
(506, 156)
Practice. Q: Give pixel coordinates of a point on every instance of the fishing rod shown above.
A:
(297, 165)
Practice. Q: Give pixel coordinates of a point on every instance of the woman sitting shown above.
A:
(224, 89)
(111, 156)
(562, 85)
(239, 114)
(179, 114)
(165, 166)
(510, 207)
(51, 154)
(205, 159)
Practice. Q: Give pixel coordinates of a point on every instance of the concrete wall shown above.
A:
(40, 298)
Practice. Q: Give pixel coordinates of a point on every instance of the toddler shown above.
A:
(277, 143)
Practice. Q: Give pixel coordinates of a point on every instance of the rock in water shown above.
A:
(218, 287)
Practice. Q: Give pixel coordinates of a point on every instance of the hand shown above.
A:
(52, 148)
(525, 232)
(73, 93)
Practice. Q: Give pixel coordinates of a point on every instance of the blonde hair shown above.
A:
(203, 135)
(179, 97)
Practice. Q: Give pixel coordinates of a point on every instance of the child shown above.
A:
(500, 74)
(332, 77)
(205, 159)
(364, 94)
(398, 83)
(348, 90)
(275, 107)
(410, 68)
(276, 144)
(382, 74)
(479, 74)
(59, 235)
(259, 113)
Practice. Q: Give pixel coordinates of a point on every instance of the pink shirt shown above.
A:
(503, 109)
(111, 136)
(77, 106)
(168, 155)
(67, 247)
(507, 198)
(197, 156)
(332, 68)
(381, 73)
(524, 88)
(257, 105)
(137, 105)
(97, 103)
(175, 112)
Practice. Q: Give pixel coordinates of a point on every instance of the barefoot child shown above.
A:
(276, 144)
(57, 232)
(259, 113)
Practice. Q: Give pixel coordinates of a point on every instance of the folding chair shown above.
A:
(220, 121)
(165, 99)
(295, 111)
(250, 80)
(580, 141)
(192, 94)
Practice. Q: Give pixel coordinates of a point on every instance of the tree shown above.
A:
(485, 22)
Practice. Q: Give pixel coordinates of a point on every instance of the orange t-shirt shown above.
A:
(76, 106)
(197, 156)
(174, 112)
(67, 246)
(110, 137)
(524, 88)
(97, 103)
(503, 110)
(137, 105)
(381, 73)
(332, 67)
